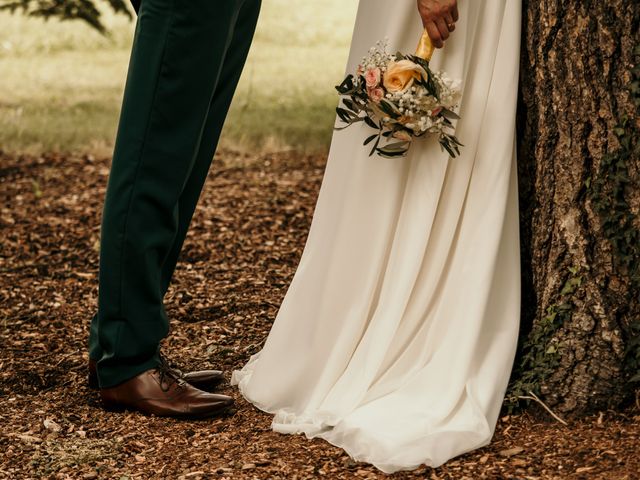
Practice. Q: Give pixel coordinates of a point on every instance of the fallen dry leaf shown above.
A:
(511, 451)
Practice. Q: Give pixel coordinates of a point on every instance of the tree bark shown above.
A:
(580, 300)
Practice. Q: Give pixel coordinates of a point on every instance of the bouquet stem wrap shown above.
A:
(425, 47)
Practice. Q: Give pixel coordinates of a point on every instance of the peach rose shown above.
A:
(372, 77)
(402, 135)
(375, 94)
(401, 75)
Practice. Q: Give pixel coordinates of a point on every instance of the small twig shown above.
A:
(253, 347)
(26, 266)
(52, 387)
(46, 355)
(535, 398)
(64, 356)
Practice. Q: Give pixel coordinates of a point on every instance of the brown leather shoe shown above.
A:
(160, 392)
(207, 380)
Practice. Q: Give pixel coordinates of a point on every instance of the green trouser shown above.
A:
(185, 64)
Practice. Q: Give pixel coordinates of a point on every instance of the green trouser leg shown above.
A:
(220, 103)
(180, 55)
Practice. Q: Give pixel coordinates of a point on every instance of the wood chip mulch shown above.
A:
(239, 257)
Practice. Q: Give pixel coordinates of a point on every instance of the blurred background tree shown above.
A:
(85, 10)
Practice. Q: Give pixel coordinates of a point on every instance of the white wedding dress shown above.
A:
(397, 336)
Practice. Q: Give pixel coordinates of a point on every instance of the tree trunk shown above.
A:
(580, 201)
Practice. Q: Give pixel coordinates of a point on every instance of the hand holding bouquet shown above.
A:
(402, 98)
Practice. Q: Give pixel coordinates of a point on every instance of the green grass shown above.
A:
(61, 82)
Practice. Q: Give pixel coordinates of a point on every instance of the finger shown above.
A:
(454, 12)
(451, 25)
(434, 34)
(442, 27)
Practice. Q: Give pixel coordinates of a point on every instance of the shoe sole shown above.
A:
(119, 408)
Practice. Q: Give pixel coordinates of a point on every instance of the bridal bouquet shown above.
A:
(402, 98)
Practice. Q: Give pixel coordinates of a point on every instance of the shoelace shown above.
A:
(169, 375)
